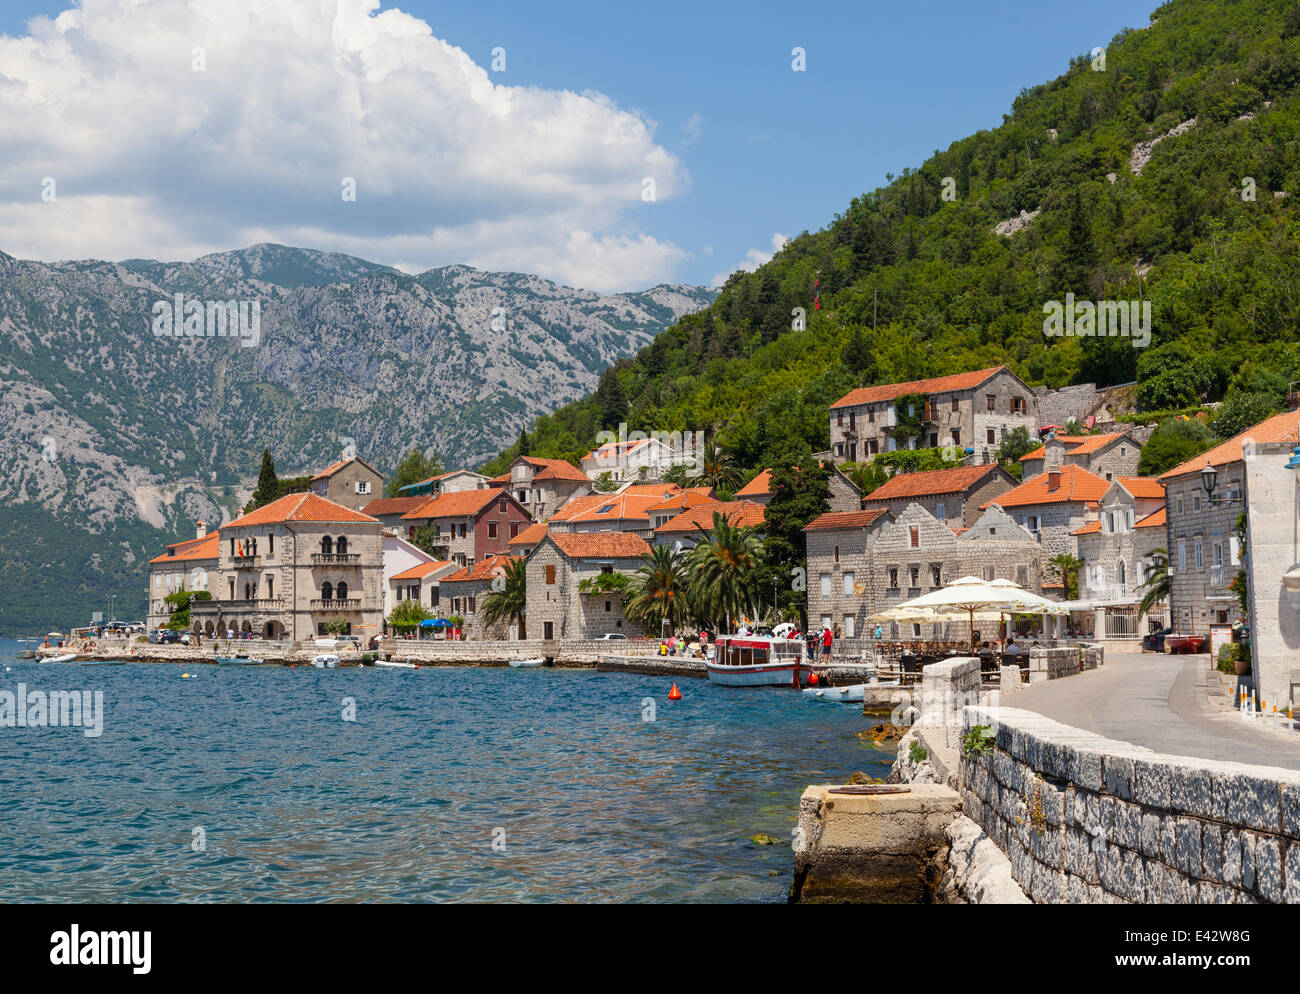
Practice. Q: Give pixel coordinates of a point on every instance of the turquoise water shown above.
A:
(583, 800)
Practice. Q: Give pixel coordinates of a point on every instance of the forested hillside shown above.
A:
(906, 283)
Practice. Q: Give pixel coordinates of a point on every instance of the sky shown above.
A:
(606, 146)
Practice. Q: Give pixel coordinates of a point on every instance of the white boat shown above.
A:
(393, 664)
(69, 657)
(759, 660)
(852, 694)
(527, 664)
(325, 661)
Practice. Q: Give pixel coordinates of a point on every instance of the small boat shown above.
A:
(1184, 643)
(392, 664)
(69, 657)
(325, 662)
(527, 664)
(759, 660)
(238, 661)
(852, 694)
(26, 653)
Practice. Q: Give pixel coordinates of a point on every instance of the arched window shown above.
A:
(1122, 572)
(837, 553)
(248, 591)
(341, 546)
(326, 545)
(327, 591)
(342, 592)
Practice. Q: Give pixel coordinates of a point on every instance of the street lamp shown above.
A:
(1209, 476)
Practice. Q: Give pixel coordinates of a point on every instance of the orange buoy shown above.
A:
(813, 679)
(674, 694)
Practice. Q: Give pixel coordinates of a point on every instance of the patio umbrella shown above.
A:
(970, 595)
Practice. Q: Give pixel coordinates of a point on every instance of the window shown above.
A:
(471, 604)
(871, 415)
(915, 537)
(893, 577)
(363, 486)
(270, 544)
(848, 584)
(991, 402)
(940, 512)
(839, 449)
(462, 531)
(326, 545)
(550, 574)
(607, 607)
(934, 439)
(1017, 405)
(514, 529)
(954, 404)
(501, 505)
(434, 595)
(548, 630)
(270, 587)
(848, 626)
(1121, 572)
(1200, 558)
(1182, 554)
(826, 584)
(341, 592)
(839, 419)
(327, 591)
(956, 436)
(341, 546)
(988, 573)
(915, 572)
(492, 529)
(837, 554)
(990, 436)
(1198, 504)
(1234, 552)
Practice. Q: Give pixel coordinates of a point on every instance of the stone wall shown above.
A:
(1084, 818)
(1053, 663)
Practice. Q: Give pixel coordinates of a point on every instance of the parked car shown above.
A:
(1155, 641)
(612, 636)
(167, 636)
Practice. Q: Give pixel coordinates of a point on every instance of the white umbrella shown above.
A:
(969, 595)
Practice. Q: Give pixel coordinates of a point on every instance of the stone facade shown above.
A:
(1108, 456)
(958, 507)
(188, 565)
(557, 608)
(1204, 550)
(1115, 549)
(353, 483)
(1271, 552)
(543, 486)
(469, 525)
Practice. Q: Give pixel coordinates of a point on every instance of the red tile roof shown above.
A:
(576, 505)
(610, 507)
(392, 505)
(191, 549)
(1143, 487)
(932, 482)
(556, 469)
(531, 535)
(936, 384)
(503, 478)
(600, 545)
(301, 507)
(759, 486)
(681, 500)
(1076, 484)
(420, 570)
(1156, 519)
(481, 570)
(737, 512)
(457, 504)
(1091, 528)
(1278, 428)
(1076, 445)
(836, 520)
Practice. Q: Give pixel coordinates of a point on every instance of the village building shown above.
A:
(956, 496)
(1201, 528)
(390, 510)
(527, 540)
(970, 411)
(675, 503)
(1108, 456)
(844, 493)
(543, 486)
(290, 567)
(1053, 505)
(463, 594)
(683, 530)
(188, 565)
(863, 562)
(628, 510)
(351, 482)
(399, 557)
(567, 597)
(630, 460)
(1115, 549)
(420, 583)
(467, 525)
(450, 482)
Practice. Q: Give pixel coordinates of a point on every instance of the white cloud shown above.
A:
(753, 259)
(692, 129)
(152, 158)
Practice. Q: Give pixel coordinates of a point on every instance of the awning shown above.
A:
(435, 623)
(1092, 605)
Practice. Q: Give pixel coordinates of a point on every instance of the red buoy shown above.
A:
(813, 679)
(674, 694)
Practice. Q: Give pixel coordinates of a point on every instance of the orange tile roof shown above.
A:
(531, 535)
(833, 520)
(936, 384)
(333, 468)
(620, 507)
(682, 500)
(503, 478)
(191, 549)
(577, 505)
(1156, 519)
(392, 505)
(759, 486)
(1278, 428)
(556, 469)
(1076, 484)
(1143, 487)
(481, 570)
(457, 504)
(301, 507)
(737, 512)
(1091, 528)
(420, 570)
(1076, 445)
(601, 545)
(614, 449)
(932, 482)
(651, 489)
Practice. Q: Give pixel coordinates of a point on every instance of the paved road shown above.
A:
(1160, 702)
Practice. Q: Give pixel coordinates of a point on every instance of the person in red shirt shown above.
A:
(826, 643)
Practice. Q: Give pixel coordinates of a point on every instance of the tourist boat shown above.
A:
(325, 661)
(759, 660)
(239, 661)
(1184, 643)
(527, 664)
(392, 664)
(66, 658)
(835, 695)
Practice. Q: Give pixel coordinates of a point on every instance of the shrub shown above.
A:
(917, 753)
(978, 741)
(1228, 656)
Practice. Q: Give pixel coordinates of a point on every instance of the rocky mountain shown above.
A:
(133, 400)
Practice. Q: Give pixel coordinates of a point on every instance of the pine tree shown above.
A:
(268, 484)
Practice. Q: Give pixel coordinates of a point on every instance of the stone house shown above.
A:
(1201, 529)
(351, 482)
(558, 607)
(390, 510)
(1053, 505)
(420, 583)
(462, 596)
(187, 565)
(527, 540)
(450, 482)
(293, 565)
(684, 529)
(469, 525)
(967, 410)
(543, 486)
(955, 496)
(1115, 548)
(630, 460)
(844, 493)
(1108, 456)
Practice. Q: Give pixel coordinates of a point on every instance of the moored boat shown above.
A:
(527, 664)
(392, 664)
(852, 694)
(1184, 643)
(758, 661)
(325, 661)
(239, 661)
(66, 658)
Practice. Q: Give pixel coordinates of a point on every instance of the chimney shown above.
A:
(1053, 481)
(1053, 453)
(201, 529)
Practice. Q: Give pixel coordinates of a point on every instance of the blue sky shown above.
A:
(756, 149)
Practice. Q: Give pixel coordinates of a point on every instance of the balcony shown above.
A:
(214, 607)
(334, 604)
(1218, 576)
(335, 558)
(246, 562)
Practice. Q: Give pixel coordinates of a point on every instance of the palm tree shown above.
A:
(1156, 584)
(719, 470)
(659, 589)
(1067, 566)
(721, 570)
(509, 596)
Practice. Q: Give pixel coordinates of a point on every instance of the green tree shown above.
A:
(268, 484)
(718, 469)
(1155, 586)
(722, 572)
(1015, 443)
(508, 599)
(800, 492)
(338, 626)
(1066, 566)
(866, 476)
(1174, 441)
(1241, 411)
(604, 483)
(659, 590)
(405, 616)
(178, 605)
(909, 418)
(414, 467)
